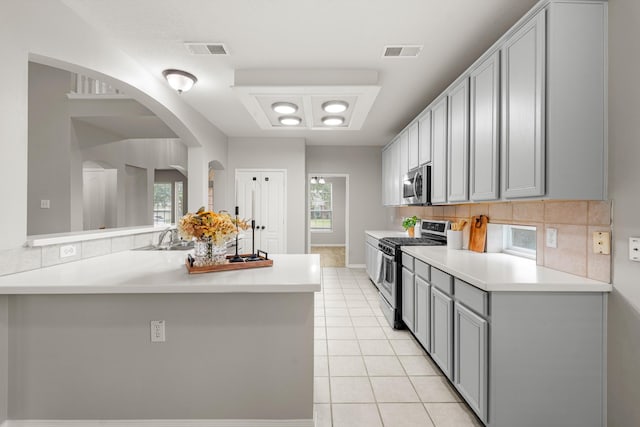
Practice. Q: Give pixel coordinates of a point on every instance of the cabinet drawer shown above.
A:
(407, 261)
(372, 241)
(472, 297)
(442, 281)
(423, 270)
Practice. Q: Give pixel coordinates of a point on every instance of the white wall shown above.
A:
(274, 153)
(49, 165)
(624, 181)
(51, 33)
(338, 233)
(364, 166)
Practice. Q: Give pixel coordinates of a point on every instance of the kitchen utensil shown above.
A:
(478, 237)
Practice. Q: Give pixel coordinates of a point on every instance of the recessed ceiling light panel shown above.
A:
(335, 106)
(284, 107)
(290, 120)
(333, 120)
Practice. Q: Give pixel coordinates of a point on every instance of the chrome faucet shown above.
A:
(173, 232)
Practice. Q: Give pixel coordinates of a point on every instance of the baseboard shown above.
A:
(356, 266)
(159, 423)
(331, 245)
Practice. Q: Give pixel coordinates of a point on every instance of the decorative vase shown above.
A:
(411, 231)
(207, 253)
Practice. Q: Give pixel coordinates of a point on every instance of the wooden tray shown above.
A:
(229, 266)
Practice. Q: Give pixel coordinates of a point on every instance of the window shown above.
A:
(168, 202)
(520, 240)
(321, 207)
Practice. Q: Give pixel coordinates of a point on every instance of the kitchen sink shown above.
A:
(178, 247)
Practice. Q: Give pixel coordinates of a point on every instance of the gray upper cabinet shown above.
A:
(414, 146)
(439, 161)
(470, 358)
(425, 137)
(523, 127)
(391, 174)
(484, 129)
(458, 144)
(404, 153)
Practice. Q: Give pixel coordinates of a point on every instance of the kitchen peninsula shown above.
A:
(75, 341)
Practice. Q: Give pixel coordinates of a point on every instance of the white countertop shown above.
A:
(379, 234)
(141, 272)
(502, 272)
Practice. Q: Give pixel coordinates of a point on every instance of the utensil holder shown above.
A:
(454, 239)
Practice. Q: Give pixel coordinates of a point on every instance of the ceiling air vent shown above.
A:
(402, 51)
(206, 48)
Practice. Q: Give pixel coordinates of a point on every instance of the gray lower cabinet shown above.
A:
(470, 358)
(422, 313)
(408, 302)
(442, 331)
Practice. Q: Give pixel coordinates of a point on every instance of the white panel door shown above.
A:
(458, 144)
(245, 186)
(270, 216)
(260, 195)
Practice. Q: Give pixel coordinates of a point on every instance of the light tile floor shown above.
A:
(368, 374)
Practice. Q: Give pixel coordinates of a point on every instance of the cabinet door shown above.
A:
(523, 127)
(408, 301)
(414, 146)
(422, 317)
(395, 174)
(458, 144)
(424, 131)
(483, 138)
(439, 162)
(404, 153)
(386, 155)
(470, 358)
(442, 331)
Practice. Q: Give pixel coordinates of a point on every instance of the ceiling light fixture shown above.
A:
(314, 180)
(284, 107)
(321, 180)
(335, 106)
(180, 80)
(290, 120)
(333, 120)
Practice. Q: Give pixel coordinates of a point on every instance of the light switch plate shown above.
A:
(45, 204)
(601, 242)
(552, 237)
(634, 248)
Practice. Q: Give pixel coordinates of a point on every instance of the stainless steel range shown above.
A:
(434, 233)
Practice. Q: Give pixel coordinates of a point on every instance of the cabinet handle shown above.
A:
(262, 228)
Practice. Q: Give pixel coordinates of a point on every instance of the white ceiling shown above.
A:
(324, 35)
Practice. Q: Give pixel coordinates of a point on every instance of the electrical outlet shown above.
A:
(634, 248)
(601, 242)
(67, 251)
(157, 331)
(552, 237)
(45, 204)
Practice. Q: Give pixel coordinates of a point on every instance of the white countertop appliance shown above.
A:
(434, 233)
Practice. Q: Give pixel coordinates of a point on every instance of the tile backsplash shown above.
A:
(575, 220)
(28, 258)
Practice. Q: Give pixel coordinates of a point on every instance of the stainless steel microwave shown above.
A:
(416, 186)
